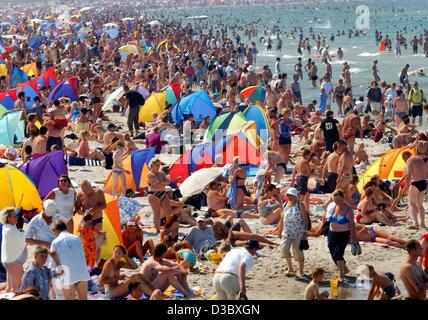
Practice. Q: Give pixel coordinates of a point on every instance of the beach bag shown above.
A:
(304, 245)
(325, 228)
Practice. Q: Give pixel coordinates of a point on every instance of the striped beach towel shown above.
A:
(74, 161)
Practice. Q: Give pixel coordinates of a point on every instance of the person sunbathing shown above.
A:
(269, 207)
(373, 233)
(164, 273)
(110, 275)
(85, 151)
(232, 231)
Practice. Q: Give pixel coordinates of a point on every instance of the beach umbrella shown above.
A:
(128, 49)
(17, 190)
(36, 20)
(225, 124)
(166, 44)
(127, 19)
(256, 93)
(3, 110)
(156, 102)
(113, 98)
(198, 180)
(85, 9)
(173, 93)
(154, 23)
(110, 25)
(216, 96)
(128, 209)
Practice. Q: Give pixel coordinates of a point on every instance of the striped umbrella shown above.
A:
(256, 93)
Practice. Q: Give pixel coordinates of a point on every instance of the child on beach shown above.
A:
(381, 283)
(87, 233)
(361, 155)
(323, 100)
(185, 257)
(312, 289)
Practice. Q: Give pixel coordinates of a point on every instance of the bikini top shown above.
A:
(342, 219)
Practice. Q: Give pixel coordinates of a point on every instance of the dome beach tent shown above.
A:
(198, 103)
(66, 88)
(258, 115)
(389, 166)
(223, 125)
(44, 170)
(111, 225)
(17, 190)
(138, 164)
(156, 102)
(11, 128)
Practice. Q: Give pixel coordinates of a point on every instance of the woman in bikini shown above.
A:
(118, 171)
(400, 107)
(84, 150)
(270, 208)
(367, 210)
(240, 176)
(158, 197)
(274, 129)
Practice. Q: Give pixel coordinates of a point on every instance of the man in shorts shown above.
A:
(416, 99)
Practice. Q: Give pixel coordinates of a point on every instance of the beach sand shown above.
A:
(267, 280)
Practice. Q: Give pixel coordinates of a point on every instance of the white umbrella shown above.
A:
(154, 23)
(127, 19)
(110, 25)
(197, 182)
(85, 9)
(6, 23)
(35, 20)
(113, 98)
(17, 36)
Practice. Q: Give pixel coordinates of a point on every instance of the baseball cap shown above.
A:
(201, 218)
(292, 192)
(252, 244)
(49, 208)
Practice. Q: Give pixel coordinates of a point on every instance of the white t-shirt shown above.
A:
(328, 88)
(233, 259)
(13, 243)
(70, 252)
(392, 92)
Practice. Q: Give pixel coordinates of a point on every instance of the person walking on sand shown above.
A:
(118, 171)
(416, 181)
(293, 226)
(229, 278)
(414, 278)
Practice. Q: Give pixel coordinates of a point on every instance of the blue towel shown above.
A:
(231, 194)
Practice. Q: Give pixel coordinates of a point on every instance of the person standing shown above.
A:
(13, 249)
(414, 278)
(329, 127)
(293, 226)
(38, 275)
(229, 279)
(342, 229)
(416, 181)
(135, 100)
(375, 71)
(67, 252)
(416, 98)
(92, 200)
(65, 198)
(39, 230)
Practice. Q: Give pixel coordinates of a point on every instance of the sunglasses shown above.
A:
(63, 180)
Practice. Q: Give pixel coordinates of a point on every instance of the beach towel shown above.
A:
(74, 161)
(231, 195)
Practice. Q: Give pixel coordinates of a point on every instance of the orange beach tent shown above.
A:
(389, 166)
(111, 225)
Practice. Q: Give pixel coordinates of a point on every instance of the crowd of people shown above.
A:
(327, 152)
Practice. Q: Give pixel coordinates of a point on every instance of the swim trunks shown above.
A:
(302, 184)
(421, 185)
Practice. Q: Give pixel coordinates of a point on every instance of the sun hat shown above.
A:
(49, 208)
(201, 218)
(292, 192)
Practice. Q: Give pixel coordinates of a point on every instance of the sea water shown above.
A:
(326, 20)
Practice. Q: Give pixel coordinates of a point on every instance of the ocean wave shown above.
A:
(357, 70)
(266, 54)
(342, 62)
(368, 54)
(286, 56)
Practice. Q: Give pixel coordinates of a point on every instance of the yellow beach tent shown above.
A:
(389, 166)
(30, 69)
(111, 225)
(17, 190)
(156, 102)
